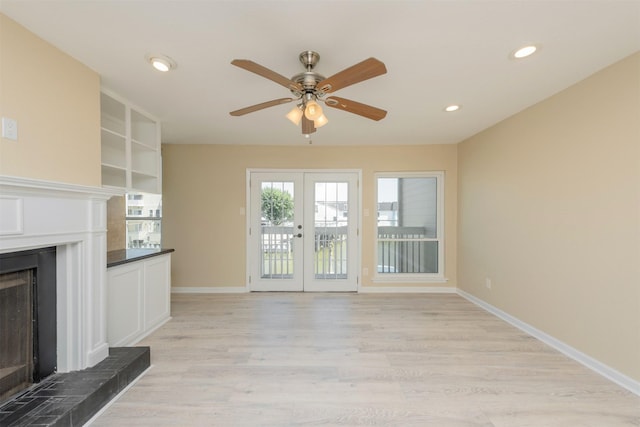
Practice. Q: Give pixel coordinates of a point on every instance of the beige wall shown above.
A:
(204, 190)
(549, 211)
(56, 103)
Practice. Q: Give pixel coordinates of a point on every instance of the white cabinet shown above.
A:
(130, 138)
(138, 299)
(125, 286)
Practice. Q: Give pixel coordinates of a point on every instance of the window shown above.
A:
(144, 231)
(409, 227)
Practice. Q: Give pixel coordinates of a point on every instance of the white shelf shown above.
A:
(143, 159)
(144, 182)
(130, 146)
(112, 114)
(114, 177)
(143, 129)
(114, 149)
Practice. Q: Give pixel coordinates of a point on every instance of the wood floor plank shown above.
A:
(289, 359)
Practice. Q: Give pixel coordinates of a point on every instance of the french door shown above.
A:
(303, 232)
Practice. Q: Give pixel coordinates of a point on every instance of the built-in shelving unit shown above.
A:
(130, 146)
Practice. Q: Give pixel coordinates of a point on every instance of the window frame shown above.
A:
(128, 218)
(438, 277)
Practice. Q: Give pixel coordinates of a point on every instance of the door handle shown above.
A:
(299, 235)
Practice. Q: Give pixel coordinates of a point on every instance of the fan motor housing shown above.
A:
(308, 80)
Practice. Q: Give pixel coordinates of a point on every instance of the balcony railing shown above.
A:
(330, 251)
(406, 250)
(400, 250)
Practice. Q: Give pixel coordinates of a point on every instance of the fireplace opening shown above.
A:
(28, 346)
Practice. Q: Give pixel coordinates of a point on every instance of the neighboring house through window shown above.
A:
(144, 231)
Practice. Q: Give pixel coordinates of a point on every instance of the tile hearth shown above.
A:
(71, 399)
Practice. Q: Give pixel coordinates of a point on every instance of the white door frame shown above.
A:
(358, 241)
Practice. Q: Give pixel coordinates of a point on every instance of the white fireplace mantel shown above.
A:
(73, 218)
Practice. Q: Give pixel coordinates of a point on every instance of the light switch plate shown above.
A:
(9, 129)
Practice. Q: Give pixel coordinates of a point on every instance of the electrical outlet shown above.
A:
(9, 129)
(487, 283)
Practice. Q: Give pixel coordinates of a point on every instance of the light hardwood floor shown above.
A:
(285, 359)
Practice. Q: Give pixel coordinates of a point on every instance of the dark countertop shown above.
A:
(124, 256)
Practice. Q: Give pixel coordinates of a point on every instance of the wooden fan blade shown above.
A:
(307, 126)
(364, 70)
(260, 106)
(267, 73)
(354, 107)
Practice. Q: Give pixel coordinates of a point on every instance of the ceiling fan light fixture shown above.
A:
(313, 110)
(320, 121)
(295, 115)
(309, 89)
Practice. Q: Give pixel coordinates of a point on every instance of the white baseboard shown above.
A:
(363, 290)
(588, 361)
(149, 332)
(209, 290)
(406, 290)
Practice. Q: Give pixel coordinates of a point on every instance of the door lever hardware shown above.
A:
(299, 235)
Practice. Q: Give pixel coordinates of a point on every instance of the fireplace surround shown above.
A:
(27, 318)
(38, 214)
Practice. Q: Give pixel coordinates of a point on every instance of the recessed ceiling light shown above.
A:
(524, 51)
(161, 62)
(452, 108)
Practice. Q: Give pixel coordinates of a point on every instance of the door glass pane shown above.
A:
(331, 226)
(277, 230)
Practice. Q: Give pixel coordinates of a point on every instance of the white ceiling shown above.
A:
(436, 53)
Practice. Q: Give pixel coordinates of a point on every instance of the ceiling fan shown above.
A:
(309, 88)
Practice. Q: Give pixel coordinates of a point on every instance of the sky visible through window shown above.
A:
(387, 190)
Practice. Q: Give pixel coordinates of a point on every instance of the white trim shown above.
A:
(406, 290)
(209, 290)
(11, 210)
(362, 289)
(606, 371)
(247, 241)
(407, 278)
(276, 170)
(23, 185)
